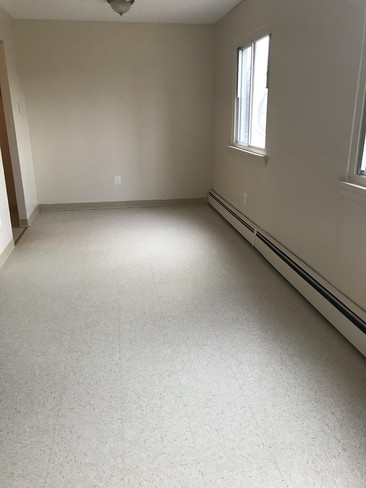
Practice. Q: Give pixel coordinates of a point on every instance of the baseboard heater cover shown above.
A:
(243, 225)
(347, 317)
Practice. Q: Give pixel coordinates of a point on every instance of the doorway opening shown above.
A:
(9, 175)
(6, 152)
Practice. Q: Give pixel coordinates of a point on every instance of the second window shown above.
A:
(252, 94)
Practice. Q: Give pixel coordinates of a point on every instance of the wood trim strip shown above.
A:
(115, 205)
(29, 221)
(6, 253)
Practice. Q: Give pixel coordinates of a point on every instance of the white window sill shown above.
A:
(257, 157)
(352, 191)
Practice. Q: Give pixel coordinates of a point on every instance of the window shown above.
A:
(356, 165)
(361, 163)
(252, 95)
(357, 161)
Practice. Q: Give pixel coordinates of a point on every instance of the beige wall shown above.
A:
(136, 101)
(18, 132)
(315, 59)
(129, 100)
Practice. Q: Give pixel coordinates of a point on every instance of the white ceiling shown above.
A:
(165, 11)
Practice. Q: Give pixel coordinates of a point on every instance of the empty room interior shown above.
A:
(182, 244)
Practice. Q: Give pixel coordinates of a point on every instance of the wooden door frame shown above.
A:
(12, 136)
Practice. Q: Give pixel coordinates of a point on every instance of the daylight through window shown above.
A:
(252, 94)
(362, 163)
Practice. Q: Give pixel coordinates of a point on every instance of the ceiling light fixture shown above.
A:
(121, 6)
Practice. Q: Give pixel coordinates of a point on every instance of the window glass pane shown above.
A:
(244, 88)
(260, 94)
(363, 161)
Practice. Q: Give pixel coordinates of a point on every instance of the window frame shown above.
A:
(358, 135)
(361, 150)
(241, 45)
(358, 140)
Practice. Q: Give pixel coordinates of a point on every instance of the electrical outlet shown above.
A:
(245, 198)
(117, 180)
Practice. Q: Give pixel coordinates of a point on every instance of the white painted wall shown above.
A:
(105, 100)
(314, 67)
(18, 139)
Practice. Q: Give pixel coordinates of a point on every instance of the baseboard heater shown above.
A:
(345, 315)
